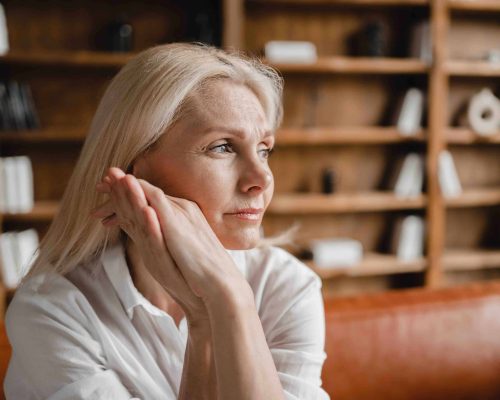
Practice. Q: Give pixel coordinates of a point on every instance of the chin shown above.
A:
(241, 242)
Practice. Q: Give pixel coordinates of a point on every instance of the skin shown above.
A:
(177, 207)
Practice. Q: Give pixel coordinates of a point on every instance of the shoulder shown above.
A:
(279, 280)
(273, 266)
(42, 298)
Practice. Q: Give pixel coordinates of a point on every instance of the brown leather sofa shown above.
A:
(417, 344)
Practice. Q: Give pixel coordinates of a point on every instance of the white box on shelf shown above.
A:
(336, 253)
(284, 51)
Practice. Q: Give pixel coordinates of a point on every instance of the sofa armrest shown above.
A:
(415, 344)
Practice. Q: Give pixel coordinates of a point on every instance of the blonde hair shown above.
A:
(142, 101)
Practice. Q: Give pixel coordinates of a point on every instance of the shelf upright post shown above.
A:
(232, 24)
(438, 120)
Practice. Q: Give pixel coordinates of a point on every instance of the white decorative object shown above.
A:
(4, 35)
(410, 116)
(16, 185)
(447, 175)
(483, 113)
(411, 177)
(420, 45)
(282, 51)
(17, 252)
(8, 259)
(336, 253)
(410, 245)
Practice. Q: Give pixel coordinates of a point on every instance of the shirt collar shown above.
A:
(115, 265)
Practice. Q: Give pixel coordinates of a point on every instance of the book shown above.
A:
(24, 178)
(411, 176)
(336, 252)
(8, 259)
(25, 246)
(408, 238)
(16, 185)
(448, 176)
(410, 115)
(17, 252)
(10, 186)
(420, 42)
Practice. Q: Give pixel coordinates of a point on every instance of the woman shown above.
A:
(152, 281)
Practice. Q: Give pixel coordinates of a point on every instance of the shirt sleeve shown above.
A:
(297, 344)
(52, 351)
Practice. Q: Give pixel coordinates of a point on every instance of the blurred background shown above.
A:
(387, 163)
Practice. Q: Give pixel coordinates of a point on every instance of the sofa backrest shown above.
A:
(414, 344)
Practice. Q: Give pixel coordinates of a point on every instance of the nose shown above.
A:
(255, 176)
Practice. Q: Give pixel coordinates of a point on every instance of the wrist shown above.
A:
(232, 297)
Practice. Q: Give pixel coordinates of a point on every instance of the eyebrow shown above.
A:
(235, 132)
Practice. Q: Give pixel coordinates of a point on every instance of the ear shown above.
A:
(138, 167)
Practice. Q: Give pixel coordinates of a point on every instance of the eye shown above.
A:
(222, 148)
(266, 153)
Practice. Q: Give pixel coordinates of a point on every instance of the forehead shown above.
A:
(225, 103)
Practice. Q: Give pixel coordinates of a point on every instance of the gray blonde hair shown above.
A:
(142, 101)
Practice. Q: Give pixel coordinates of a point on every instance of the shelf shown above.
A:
(468, 136)
(43, 211)
(463, 260)
(474, 5)
(67, 58)
(343, 135)
(50, 135)
(475, 198)
(472, 68)
(373, 264)
(355, 65)
(341, 2)
(316, 203)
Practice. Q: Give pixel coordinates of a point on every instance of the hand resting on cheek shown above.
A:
(178, 246)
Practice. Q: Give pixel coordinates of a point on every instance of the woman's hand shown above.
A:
(192, 257)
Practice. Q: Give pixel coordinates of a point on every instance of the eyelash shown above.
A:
(267, 151)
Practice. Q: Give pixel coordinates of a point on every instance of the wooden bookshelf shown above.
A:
(43, 211)
(313, 203)
(467, 136)
(47, 135)
(470, 259)
(338, 114)
(373, 264)
(355, 65)
(476, 198)
(474, 5)
(398, 3)
(344, 135)
(94, 59)
(472, 68)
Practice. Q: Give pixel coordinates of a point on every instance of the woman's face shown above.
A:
(218, 158)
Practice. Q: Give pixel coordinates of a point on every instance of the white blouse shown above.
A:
(92, 335)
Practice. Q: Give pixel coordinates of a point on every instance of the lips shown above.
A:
(248, 214)
(248, 211)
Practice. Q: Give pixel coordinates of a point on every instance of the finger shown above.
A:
(109, 221)
(155, 197)
(134, 191)
(103, 187)
(170, 277)
(103, 210)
